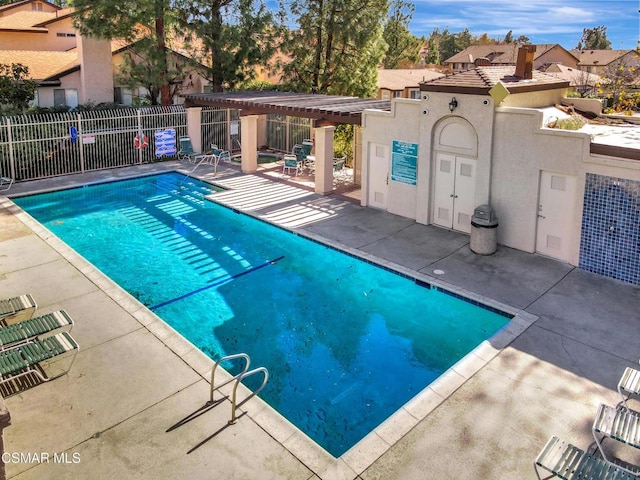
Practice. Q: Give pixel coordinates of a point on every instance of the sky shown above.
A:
(543, 21)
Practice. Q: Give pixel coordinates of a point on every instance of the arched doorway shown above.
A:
(455, 146)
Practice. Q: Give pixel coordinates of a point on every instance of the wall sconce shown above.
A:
(453, 104)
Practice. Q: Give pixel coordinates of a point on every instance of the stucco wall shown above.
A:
(40, 41)
(477, 110)
(96, 70)
(556, 55)
(522, 149)
(45, 94)
(21, 41)
(402, 124)
(534, 99)
(513, 148)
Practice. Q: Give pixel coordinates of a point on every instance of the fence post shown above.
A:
(287, 136)
(81, 142)
(12, 164)
(228, 130)
(140, 131)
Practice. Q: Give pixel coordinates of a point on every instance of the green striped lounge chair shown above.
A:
(35, 328)
(16, 309)
(566, 461)
(47, 358)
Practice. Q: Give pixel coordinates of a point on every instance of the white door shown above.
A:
(555, 211)
(379, 161)
(454, 193)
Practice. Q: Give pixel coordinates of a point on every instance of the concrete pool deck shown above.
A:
(133, 378)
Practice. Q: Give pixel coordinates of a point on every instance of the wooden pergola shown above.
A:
(322, 109)
(325, 111)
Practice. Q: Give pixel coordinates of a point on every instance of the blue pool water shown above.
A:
(346, 343)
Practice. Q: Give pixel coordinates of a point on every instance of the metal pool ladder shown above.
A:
(237, 379)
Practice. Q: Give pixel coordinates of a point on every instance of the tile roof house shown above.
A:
(403, 83)
(597, 61)
(69, 68)
(507, 54)
(581, 80)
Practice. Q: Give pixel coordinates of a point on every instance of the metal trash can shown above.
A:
(484, 230)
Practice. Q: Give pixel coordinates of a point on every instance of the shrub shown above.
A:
(571, 123)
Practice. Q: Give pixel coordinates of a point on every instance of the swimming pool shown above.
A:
(346, 343)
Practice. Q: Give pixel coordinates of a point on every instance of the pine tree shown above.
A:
(336, 47)
(402, 46)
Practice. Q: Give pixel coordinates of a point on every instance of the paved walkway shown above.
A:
(134, 378)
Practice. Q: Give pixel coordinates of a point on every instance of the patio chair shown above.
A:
(224, 155)
(5, 183)
(619, 424)
(302, 151)
(629, 385)
(35, 328)
(17, 309)
(291, 162)
(569, 462)
(338, 163)
(187, 152)
(46, 359)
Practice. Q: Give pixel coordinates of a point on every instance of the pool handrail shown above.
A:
(239, 379)
(227, 357)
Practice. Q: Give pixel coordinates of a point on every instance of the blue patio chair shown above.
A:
(302, 151)
(291, 162)
(187, 152)
(223, 155)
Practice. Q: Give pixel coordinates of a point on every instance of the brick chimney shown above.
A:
(524, 65)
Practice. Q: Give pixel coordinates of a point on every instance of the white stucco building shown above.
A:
(481, 137)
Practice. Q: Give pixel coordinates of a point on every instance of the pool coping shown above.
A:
(359, 457)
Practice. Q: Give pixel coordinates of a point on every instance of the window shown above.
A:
(65, 97)
(122, 96)
(62, 34)
(385, 95)
(414, 93)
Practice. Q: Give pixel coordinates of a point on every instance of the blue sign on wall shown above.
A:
(404, 162)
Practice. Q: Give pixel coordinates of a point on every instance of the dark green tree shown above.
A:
(433, 55)
(336, 47)
(594, 39)
(523, 40)
(230, 37)
(403, 48)
(447, 45)
(508, 38)
(16, 89)
(462, 40)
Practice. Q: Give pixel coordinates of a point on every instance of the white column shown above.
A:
(249, 128)
(324, 159)
(194, 128)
